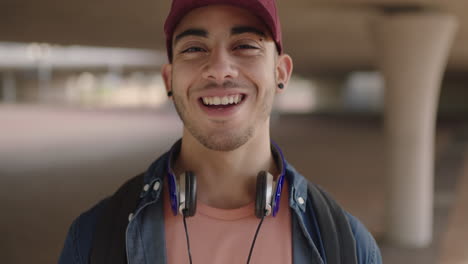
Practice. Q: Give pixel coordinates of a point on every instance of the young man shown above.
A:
(226, 65)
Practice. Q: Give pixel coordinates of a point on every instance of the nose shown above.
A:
(219, 66)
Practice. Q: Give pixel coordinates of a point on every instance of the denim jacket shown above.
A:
(145, 237)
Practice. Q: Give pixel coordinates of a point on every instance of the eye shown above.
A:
(245, 46)
(192, 50)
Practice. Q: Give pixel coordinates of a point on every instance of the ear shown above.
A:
(284, 67)
(167, 76)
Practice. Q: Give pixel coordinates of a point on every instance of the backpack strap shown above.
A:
(336, 233)
(108, 246)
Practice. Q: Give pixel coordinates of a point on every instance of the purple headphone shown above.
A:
(183, 194)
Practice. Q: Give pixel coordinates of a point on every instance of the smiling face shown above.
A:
(224, 75)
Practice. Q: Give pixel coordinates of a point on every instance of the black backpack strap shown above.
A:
(109, 237)
(337, 236)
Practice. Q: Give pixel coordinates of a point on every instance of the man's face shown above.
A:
(223, 75)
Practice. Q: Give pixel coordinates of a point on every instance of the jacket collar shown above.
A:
(159, 170)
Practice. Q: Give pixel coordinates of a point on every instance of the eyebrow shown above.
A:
(191, 32)
(247, 29)
(203, 33)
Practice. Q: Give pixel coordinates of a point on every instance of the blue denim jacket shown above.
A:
(145, 238)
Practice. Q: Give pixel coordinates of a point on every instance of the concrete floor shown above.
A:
(56, 162)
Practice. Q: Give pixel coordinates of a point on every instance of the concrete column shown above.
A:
(412, 51)
(9, 87)
(44, 76)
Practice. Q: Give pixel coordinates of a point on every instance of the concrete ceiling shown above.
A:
(321, 35)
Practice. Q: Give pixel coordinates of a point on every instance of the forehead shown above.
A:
(219, 17)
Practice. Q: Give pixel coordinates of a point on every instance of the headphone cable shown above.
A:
(251, 247)
(255, 238)
(188, 240)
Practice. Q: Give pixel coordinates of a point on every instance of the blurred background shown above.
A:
(376, 112)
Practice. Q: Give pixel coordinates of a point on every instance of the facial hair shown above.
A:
(225, 140)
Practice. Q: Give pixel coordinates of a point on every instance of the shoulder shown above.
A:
(79, 239)
(366, 248)
(367, 251)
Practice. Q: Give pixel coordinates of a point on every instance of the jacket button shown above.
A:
(146, 187)
(300, 200)
(156, 186)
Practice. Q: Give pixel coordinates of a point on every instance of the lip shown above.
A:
(221, 111)
(220, 93)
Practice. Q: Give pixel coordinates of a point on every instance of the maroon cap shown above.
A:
(264, 9)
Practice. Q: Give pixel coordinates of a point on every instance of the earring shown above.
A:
(169, 94)
(280, 85)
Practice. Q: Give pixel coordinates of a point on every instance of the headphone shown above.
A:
(183, 191)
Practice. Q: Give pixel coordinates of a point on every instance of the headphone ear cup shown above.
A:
(190, 194)
(260, 199)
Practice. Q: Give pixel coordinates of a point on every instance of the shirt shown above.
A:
(226, 235)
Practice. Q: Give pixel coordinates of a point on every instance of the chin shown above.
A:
(225, 141)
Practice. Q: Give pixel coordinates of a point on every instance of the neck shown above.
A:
(226, 179)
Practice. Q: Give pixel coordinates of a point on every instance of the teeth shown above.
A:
(226, 100)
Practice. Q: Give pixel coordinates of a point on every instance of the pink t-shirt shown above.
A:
(220, 236)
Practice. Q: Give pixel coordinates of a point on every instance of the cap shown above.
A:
(264, 9)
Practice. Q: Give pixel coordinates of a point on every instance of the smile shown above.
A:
(223, 101)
